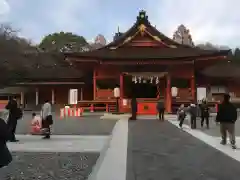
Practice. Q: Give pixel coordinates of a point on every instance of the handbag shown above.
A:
(19, 113)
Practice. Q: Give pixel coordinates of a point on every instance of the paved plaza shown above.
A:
(167, 152)
(214, 128)
(89, 124)
(101, 149)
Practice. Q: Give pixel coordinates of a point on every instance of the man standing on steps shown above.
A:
(160, 109)
(227, 116)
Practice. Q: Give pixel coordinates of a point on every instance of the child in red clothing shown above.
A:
(36, 124)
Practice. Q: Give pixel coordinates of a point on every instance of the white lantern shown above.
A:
(134, 79)
(140, 79)
(174, 91)
(151, 79)
(124, 102)
(116, 92)
(157, 80)
(73, 96)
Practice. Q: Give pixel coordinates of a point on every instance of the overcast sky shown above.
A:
(216, 21)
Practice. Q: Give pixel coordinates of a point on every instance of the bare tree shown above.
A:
(12, 50)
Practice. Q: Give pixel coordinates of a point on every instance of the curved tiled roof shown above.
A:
(168, 49)
(126, 53)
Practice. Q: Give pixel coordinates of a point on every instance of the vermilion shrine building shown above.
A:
(144, 63)
(143, 54)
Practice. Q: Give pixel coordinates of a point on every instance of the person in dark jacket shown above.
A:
(12, 106)
(204, 113)
(192, 110)
(160, 109)
(134, 108)
(5, 155)
(181, 114)
(227, 116)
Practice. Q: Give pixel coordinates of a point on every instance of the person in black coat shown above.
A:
(160, 109)
(5, 155)
(134, 109)
(181, 114)
(12, 106)
(204, 113)
(227, 116)
(192, 110)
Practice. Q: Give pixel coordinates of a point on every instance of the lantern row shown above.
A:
(141, 79)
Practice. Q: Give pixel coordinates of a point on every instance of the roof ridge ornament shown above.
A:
(142, 17)
(142, 29)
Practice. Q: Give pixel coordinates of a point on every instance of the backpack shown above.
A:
(19, 113)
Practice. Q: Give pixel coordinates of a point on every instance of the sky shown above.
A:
(215, 21)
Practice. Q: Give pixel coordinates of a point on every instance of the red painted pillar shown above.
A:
(121, 86)
(193, 88)
(168, 95)
(94, 85)
(121, 93)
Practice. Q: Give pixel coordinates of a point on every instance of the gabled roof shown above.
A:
(142, 25)
(143, 41)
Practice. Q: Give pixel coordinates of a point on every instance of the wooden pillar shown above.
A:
(168, 95)
(22, 98)
(94, 85)
(193, 88)
(121, 86)
(37, 96)
(81, 94)
(53, 96)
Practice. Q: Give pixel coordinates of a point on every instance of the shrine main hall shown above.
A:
(143, 63)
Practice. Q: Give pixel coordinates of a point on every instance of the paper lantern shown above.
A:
(174, 91)
(125, 102)
(157, 80)
(116, 92)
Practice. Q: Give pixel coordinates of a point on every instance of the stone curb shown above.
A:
(109, 116)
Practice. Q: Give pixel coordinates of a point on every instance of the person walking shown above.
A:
(47, 119)
(5, 155)
(181, 115)
(227, 116)
(15, 113)
(192, 109)
(204, 113)
(161, 110)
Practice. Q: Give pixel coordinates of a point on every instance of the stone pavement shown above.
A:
(158, 150)
(90, 124)
(59, 143)
(214, 141)
(63, 157)
(59, 158)
(134, 150)
(214, 129)
(49, 166)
